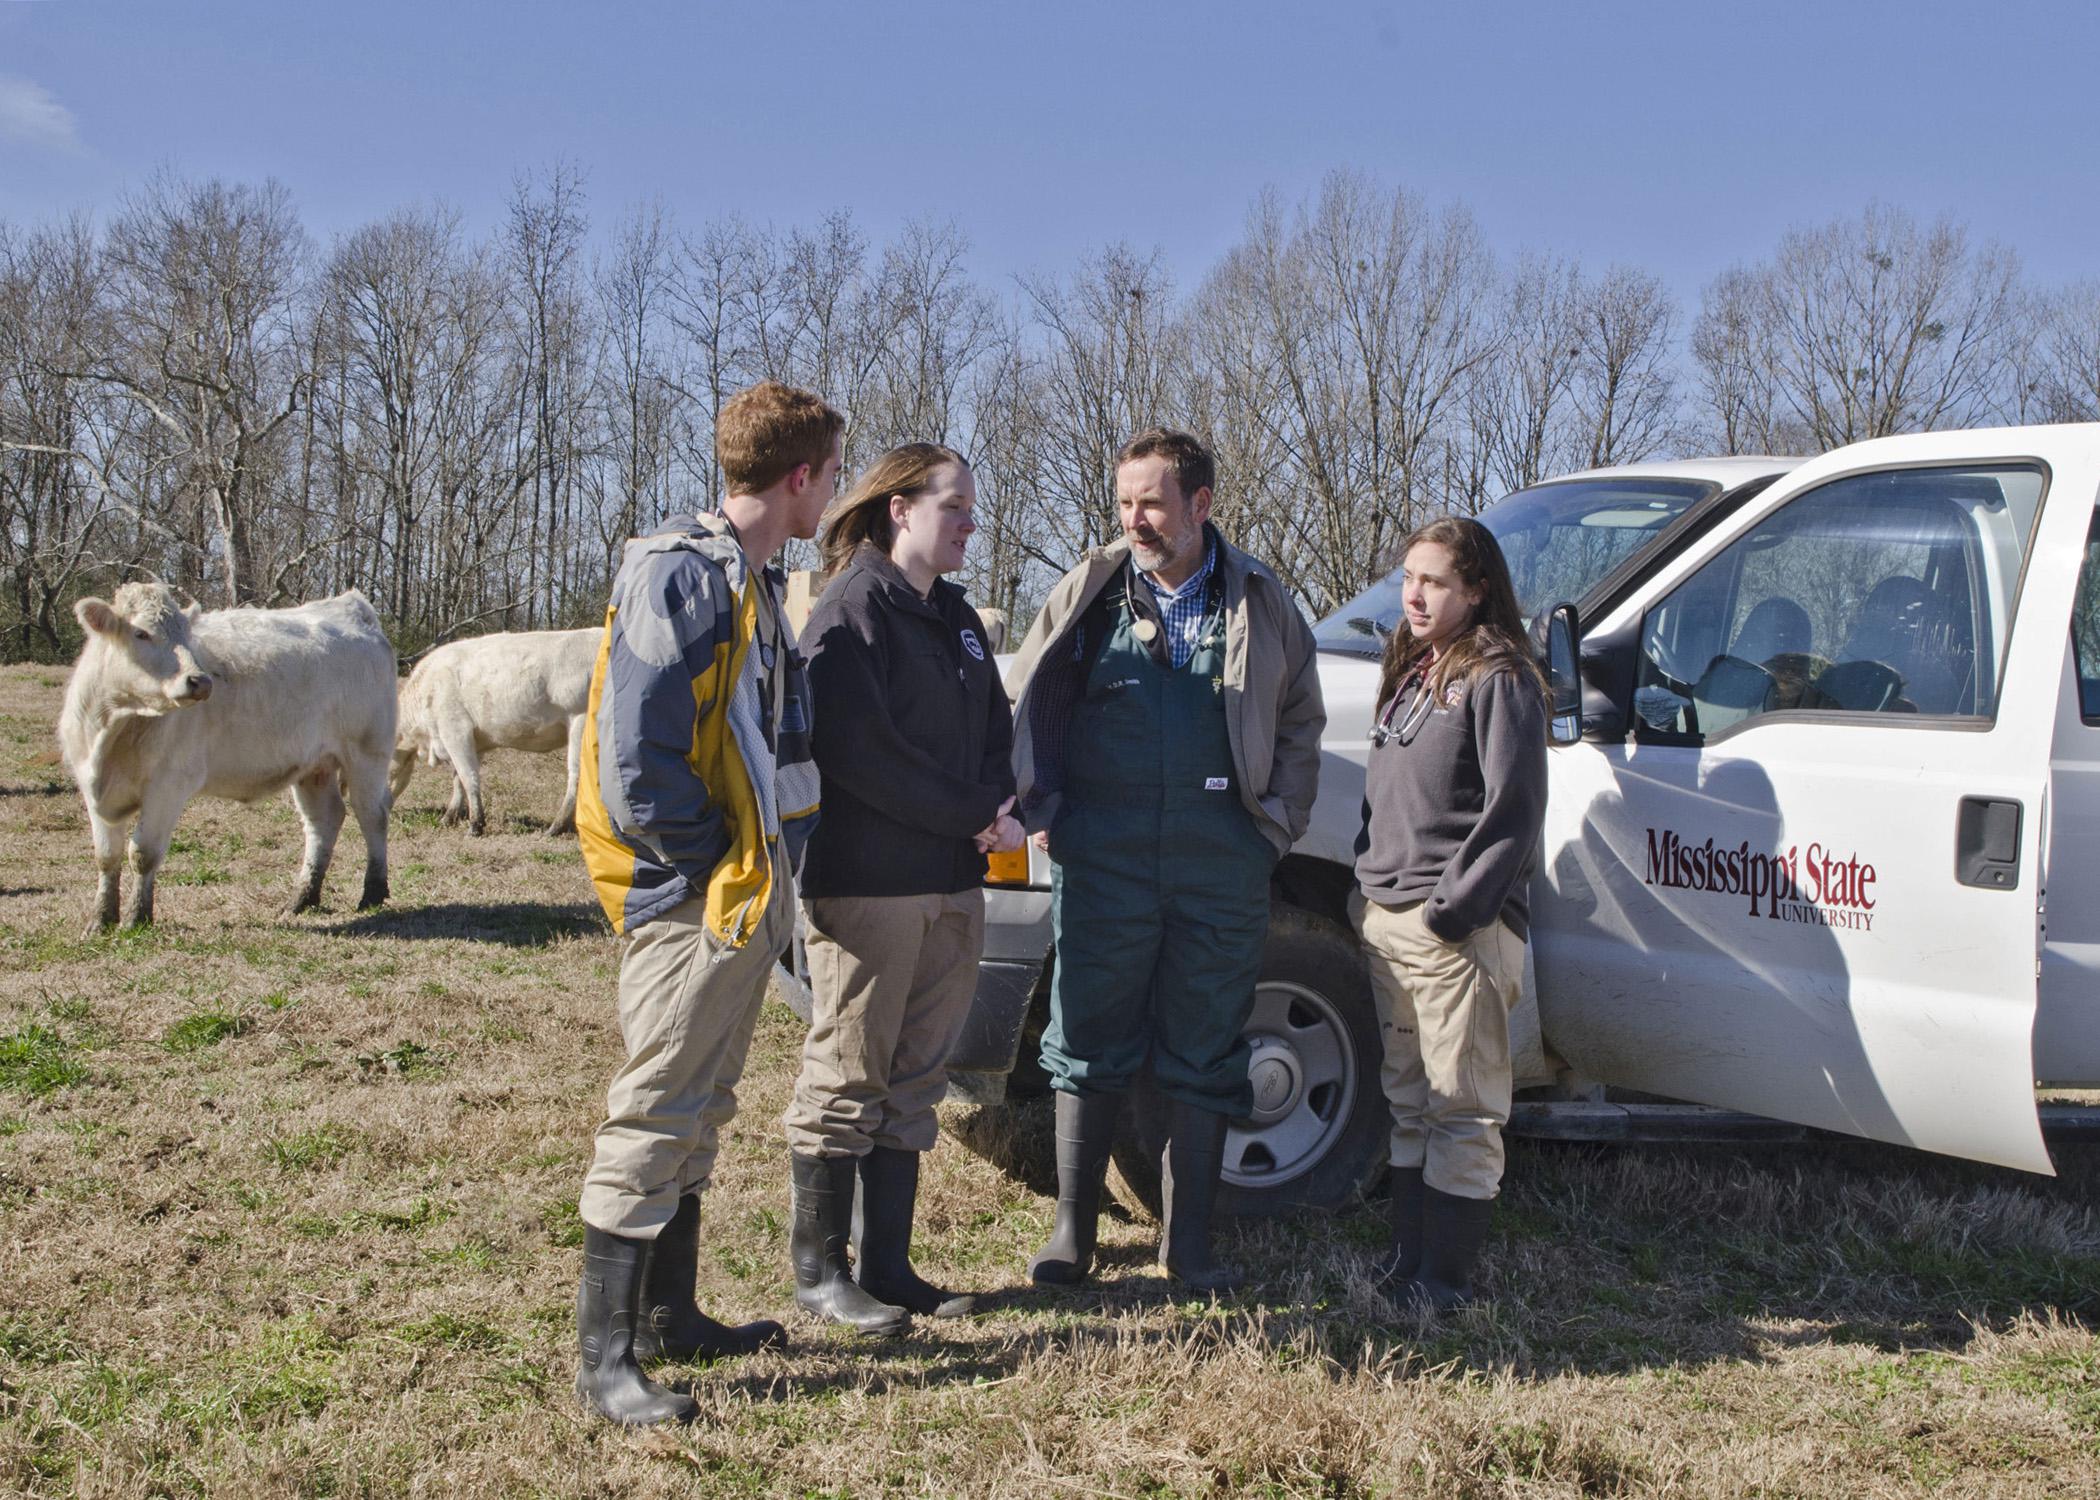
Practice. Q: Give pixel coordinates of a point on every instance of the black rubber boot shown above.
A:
(1086, 1128)
(1453, 1231)
(607, 1378)
(671, 1325)
(824, 1285)
(1403, 1204)
(1188, 1194)
(889, 1190)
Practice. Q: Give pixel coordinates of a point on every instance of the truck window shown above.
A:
(1886, 593)
(1559, 539)
(2085, 626)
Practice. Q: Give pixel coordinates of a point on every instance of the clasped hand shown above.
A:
(1003, 834)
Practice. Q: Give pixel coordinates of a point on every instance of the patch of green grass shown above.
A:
(405, 1059)
(288, 1373)
(322, 1146)
(478, 1255)
(203, 872)
(103, 1391)
(279, 1000)
(418, 1215)
(444, 1330)
(500, 1032)
(72, 1008)
(205, 1028)
(513, 1383)
(739, 1262)
(559, 1156)
(28, 1344)
(251, 1197)
(564, 1225)
(1973, 1278)
(12, 1125)
(1542, 1453)
(2068, 1381)
(36, 1060)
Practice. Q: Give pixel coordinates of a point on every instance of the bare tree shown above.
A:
(1624, 391)
(55, 433)
(637, 394)
(543, 242)
(2067, 378)
(1517, 409)
(1340, 346)
(1113, 354)
(1863, 327)
(203, 339)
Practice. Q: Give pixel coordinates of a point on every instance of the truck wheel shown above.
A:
(1317, 1135)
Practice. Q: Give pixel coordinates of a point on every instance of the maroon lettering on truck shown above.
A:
(1815, 885)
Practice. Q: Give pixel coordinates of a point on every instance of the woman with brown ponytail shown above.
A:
(1454, 799)
(913, 739)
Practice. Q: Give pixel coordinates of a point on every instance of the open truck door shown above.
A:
(1813, 794)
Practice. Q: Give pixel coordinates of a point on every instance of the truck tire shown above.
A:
(1318, 1133)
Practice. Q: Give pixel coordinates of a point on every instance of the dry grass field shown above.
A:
(287, 1208)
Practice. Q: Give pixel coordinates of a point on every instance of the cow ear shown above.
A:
(190, 607)
(95, 616)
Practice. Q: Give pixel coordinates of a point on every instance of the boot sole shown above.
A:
(1059, 1273)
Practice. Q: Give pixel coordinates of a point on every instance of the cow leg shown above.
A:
(400, 772)
(367, 795)
(465, 756)
(321, 810)
(109, 865)
(456, 809)
(565, 816)
(158, 814)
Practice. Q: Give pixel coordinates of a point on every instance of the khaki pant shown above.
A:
(687, 1009)
(1443, 1013)
(893, 978)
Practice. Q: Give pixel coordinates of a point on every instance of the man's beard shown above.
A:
(1161, 553)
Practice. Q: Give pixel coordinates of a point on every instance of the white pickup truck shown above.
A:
(1822, 844)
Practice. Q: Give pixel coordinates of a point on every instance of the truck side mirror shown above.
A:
(1564, 674)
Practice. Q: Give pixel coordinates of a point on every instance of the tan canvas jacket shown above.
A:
(1273, 710)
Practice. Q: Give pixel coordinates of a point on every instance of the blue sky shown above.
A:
(1677, 137)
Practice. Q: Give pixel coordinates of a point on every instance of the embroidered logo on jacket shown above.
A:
(971, 644)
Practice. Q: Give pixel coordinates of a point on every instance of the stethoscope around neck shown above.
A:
(1418, 711)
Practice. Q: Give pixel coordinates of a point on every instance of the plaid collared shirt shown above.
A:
(1181, 611)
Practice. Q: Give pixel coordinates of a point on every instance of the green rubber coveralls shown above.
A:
(1160, 881)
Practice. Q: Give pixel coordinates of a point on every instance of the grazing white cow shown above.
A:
(167, 701)
(518, 690)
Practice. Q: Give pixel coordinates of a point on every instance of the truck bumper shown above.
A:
(991, 1037)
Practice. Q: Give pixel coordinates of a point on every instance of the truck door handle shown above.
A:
(1987, 843)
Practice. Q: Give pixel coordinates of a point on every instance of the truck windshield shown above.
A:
(1560, 539)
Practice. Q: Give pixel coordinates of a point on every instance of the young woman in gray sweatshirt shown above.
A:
(1454, 798)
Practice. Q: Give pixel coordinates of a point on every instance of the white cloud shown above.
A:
(31, 116)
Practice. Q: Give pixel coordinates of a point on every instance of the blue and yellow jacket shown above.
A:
(690, 779)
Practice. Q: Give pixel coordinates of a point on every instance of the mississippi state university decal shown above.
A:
(1813, 885)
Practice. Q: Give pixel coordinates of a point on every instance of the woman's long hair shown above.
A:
(864, 514)
(1493, 639)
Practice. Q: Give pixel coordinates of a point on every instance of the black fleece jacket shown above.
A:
(914, 736)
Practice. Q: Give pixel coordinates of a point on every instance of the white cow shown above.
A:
(167, 701)
(518, 690)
